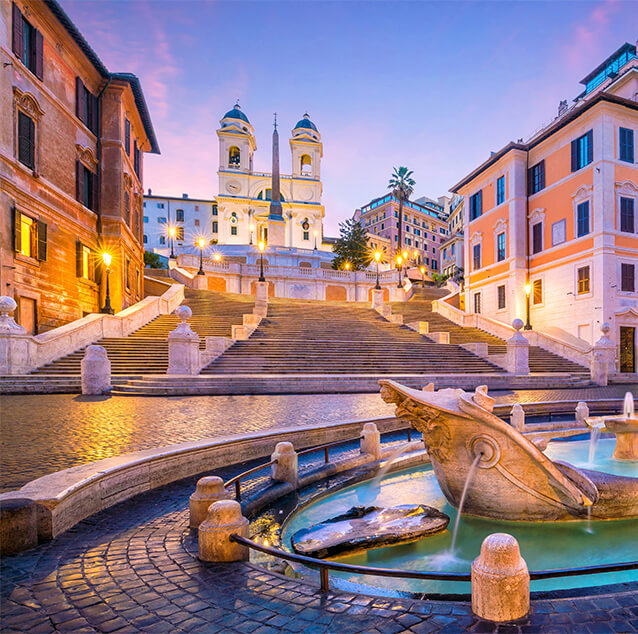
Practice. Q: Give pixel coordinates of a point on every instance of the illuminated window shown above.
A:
(537, 291)
(234, 156)
(27, 230)
(501, 296)
(583, 280)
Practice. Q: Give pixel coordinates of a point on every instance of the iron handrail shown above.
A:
(324, 566)
(236, 480)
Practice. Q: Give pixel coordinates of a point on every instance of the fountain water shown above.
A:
(628, 406)
(370, 495)
(470, 473)
(594, 435)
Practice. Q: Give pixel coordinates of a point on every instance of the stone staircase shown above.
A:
(419, 308)
(146, 350)
(310, 337)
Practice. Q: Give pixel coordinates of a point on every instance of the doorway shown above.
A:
(627, 349)
(28, 315)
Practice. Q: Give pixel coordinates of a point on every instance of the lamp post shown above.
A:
(416, 258)
(316, 234)
(405, 263)
(423, 277)
(107, 310)
(252, 228)
(377, 257)
(201, 243)
(399, 268)
(528, 290)
(171, 232)
(261, 246)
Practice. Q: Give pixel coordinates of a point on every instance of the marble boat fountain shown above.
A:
(505, 475)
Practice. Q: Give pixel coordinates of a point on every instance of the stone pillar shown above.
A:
(183, 346)
(96, 371)
(240, 333)
(517, 417)
(18, 525)
(224, 518)
(603, 358)
(517, 358)
(440, 337)
(14, 341)
(582, 412)
(251, 320)
(286, 467)
(200, 282)
(209, 489)
(424, 327)
(371, 440)
(500, 580)
(261, 299)
(377, 298)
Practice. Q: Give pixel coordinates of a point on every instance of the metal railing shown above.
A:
(325, 567)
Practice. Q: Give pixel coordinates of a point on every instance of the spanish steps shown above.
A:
(146, 350)
(419, 308)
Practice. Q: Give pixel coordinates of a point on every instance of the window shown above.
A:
(500, 247)
(582, 151)
(160, 205)
(215, 212)
(306, 235)
(627, 277)
(179, 215)
(196, 222)
(582, 219)
(500, 189)
(558, 232)
(127, 137)
(500, 292)
(27, 43)
(476, 205)
(215, 226)
(233, 230)
(161, 220)
(537, 291)
(26, 140)
(145, 218)
(179, 233)
(626, 145)
(85, 106)
(476, 256)
(537, 237)
(306, 165)
(583, 280)
(435, 265)
(452, 249)
(84, 262)
(145, 239)
(86, 186)
(234, 156)
(127, 208)
(127, 274)
(137, 159)
(477, 303)
(162, 240)
(627, 215)
(536, 178)
(29, 236)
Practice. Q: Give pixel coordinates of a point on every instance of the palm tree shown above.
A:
(402, 186)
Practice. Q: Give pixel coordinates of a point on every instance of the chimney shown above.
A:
(184, 195)
(150, 193)
(562, 107)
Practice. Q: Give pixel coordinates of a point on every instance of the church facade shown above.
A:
(247, 200)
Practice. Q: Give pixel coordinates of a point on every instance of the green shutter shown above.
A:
(42, 241)
(78, 259)
(17, 230)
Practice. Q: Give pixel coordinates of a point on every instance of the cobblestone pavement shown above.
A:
(133, 568)
(41, 434)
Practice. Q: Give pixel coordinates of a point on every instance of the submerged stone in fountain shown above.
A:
(368, 527)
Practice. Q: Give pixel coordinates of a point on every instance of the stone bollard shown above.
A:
(582, 412)
(377, 298)
(183, 346)
(286, 467)
(15, 344)
(18, 525)
(500, 580)
(517, 358)
(209, 489)
(96, 371)
(371, 440)
(224, 518)
(517, 417)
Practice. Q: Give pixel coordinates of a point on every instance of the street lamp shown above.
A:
(416, 258)
(171, 232)
(399, 268)
(107, 310)
(347, 266)
(252, 228)
(316, 234)
(201, 243)
(377, 257)
(528, 290)
(261, 246)
(217, 257)
(423, 276)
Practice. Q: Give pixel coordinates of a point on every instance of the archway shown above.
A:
(336, 294)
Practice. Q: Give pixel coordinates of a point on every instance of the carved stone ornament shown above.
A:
(26, 102)
(584, 191)
(85, 155)
(626, 187)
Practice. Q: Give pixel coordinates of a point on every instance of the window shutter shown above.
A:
(78, 259)
(17, 230)
(94, 114)
(94, 192)
(590, 146)
(80, 101)
(18, 32)
(42, 241)
(542, 174)
(39, 55)
(530, 181)
(79, 182)
(480, 202)
(574, 156)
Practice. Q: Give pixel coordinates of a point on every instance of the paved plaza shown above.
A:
(133, 568)
(41, 434)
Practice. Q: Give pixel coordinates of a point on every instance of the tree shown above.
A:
(402, 185)
(439, 279)
(351, 246)
(152, 260)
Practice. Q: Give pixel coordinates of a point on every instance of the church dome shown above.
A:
(306, 123)
(236, 113)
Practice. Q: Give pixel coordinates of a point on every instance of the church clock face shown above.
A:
(233, 187)
(305, 193)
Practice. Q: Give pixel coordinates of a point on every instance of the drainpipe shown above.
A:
(99, 156)
(527, 295)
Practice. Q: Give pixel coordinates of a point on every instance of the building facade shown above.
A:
(452, 248)
(554, 220)
(424, 229)
(72, 137)
(244, 198)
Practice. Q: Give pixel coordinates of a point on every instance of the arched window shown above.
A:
(145, 239)
(234, 156)
(266, 194)
(233, 224)
(305, 225)
(162, 239)
(306, 165)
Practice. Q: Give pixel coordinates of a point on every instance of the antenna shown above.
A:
(275, 120)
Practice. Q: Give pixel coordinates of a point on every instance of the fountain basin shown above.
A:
(625, 428)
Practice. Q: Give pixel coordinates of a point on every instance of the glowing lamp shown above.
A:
(201, 243)
(106, 258)
(261, 245)
(528, 288)
(377, 256)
